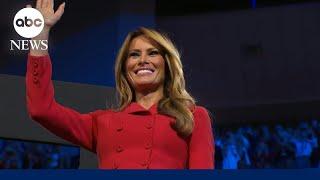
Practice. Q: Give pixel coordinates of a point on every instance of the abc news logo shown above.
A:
(28, 23)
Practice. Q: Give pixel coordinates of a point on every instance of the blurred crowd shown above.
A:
(269, 146)
(31, 155)
(262, 146)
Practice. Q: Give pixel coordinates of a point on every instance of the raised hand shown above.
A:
(47, 11)
(50, 19)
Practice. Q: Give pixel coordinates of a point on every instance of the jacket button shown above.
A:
(35, 80)
(119, 129)
(148, 145)
(35, 64)
(149, 125)
(144, 163)
(35, 72)
(119, 149)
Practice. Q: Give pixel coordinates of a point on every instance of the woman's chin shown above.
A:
(145, 81)
(145, 85)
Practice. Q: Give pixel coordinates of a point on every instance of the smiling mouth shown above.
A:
(144, 71)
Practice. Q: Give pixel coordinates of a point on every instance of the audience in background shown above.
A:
(29, 155)
(277, 146)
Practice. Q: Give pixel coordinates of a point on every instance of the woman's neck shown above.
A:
(148, 98)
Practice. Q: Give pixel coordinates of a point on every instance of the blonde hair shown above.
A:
(176, 102)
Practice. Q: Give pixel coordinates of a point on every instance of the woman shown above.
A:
(157, 125)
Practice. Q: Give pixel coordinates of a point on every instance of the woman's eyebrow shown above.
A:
(134, 50)
(150, 49)
(138, 50)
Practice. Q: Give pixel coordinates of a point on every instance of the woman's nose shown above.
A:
(143, 59)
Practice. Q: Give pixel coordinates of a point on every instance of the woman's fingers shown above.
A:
(50, 3)
(44, 3)
(60, 11)
(38, 5)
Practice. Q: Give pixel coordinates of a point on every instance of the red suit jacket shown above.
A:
(134, 138)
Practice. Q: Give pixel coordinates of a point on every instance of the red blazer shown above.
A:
(134, 138)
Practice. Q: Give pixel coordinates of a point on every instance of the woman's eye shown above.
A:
(134, 54)
(153, 53)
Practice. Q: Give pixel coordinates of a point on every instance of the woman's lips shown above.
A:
(144, 72)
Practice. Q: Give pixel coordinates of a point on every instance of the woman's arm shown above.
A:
(65, 122)
(68, 124)
(201, 145)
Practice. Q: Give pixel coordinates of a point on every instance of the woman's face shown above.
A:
(145, 65)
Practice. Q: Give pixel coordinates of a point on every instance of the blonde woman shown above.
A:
(157, 124)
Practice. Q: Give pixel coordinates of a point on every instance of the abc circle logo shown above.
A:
(28, 22)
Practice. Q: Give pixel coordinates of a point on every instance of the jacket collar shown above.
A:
(134, 107)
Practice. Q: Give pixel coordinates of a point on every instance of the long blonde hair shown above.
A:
(176, 102)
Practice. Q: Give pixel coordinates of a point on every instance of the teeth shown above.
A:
(144, 71)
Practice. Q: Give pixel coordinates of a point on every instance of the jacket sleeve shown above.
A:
(201, 144)
(64, 122)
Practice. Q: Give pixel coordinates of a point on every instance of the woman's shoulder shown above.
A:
(200, 112)
(199, 109)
